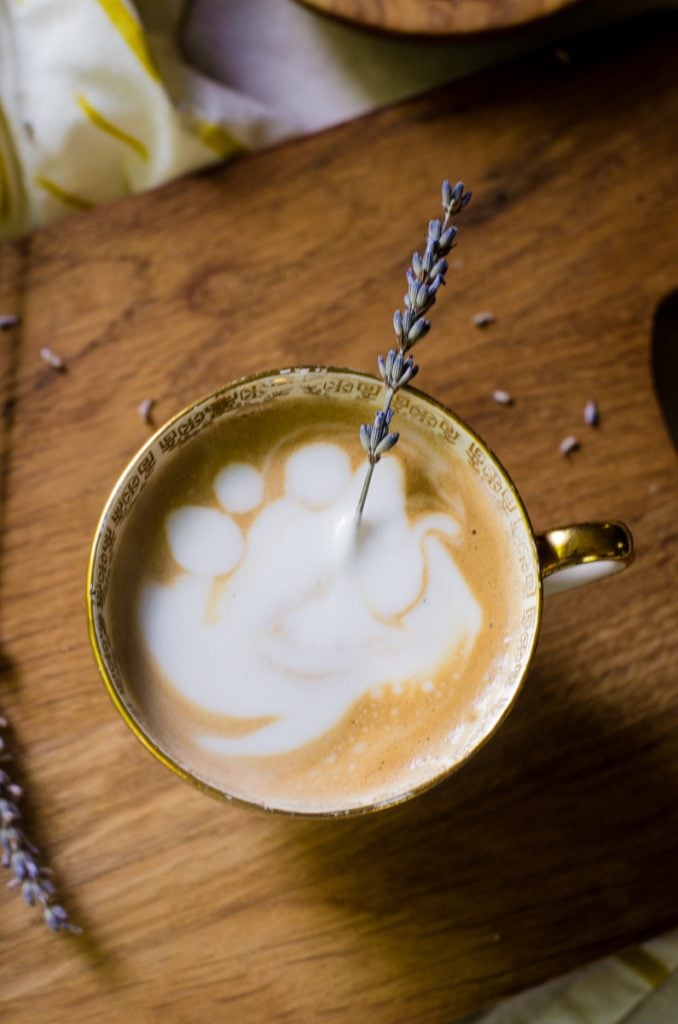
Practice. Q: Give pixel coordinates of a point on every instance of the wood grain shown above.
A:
(558, 843)
(441, 17)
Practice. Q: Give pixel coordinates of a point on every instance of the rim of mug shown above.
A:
(143, 735)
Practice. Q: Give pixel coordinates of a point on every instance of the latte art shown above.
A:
(285, 657)
(284, 628)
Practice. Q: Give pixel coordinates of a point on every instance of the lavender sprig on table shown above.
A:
(424, 278)
(21, 856)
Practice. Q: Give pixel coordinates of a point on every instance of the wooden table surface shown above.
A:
(559, 842)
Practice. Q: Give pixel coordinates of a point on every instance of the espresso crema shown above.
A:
(289, 659)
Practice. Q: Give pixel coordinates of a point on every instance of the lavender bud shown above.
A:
(417, 265)
(422, 299)
(465, 201)
(386, 444)
(408, 320)
(52, 359)
(457, 191)
(434, 229)
(418, 331)
(439, 270)
(568, 445)
(382, 367)
(366, 436)
(446, 194)
(379, 428)
(410, 370)
(412, 285)
(398, 324)
(390, 359)
(34, 893)
(55, 917)
(591, 413)
(446, 239)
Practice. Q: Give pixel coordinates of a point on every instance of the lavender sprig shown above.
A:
(424, 278)
(21, 856)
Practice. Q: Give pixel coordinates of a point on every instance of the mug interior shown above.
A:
(319, 384)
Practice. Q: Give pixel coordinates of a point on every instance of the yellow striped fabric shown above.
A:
(101, 122)
(132, 32)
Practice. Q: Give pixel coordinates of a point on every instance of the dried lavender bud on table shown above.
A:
(21, 857)
(568, 445)
(145, 410)
(591, 413)
(424, 278)
(502, 397)
(52, 359)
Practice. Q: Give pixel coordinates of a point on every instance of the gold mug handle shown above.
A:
(571, 556)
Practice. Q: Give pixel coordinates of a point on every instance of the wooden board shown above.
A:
(559, 842)
(441, 17)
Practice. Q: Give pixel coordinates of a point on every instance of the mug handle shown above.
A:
(573, 555)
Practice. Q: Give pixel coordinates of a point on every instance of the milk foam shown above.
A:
(286, 627)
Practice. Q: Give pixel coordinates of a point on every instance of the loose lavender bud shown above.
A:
(502, 397)
(8, 320)
(482, 319)
(145, 409)
(591, 413)
(568, 445)
(52, 359)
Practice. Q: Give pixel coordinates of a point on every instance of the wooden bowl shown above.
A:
(440, 17)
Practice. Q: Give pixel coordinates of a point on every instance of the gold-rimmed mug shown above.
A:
(550, 561)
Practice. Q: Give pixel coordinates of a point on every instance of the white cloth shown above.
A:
(97, 98)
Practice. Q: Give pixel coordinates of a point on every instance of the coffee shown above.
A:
(284, 658)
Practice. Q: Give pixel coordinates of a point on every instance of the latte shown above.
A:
(284, 657)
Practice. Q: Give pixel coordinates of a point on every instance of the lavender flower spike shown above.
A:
(21, 857)
(424, 278)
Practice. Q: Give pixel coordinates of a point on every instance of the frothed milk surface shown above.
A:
(290, 659)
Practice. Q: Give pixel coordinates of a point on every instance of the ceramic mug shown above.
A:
(550, 561)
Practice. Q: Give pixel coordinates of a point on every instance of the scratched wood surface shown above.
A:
(441, 17)
(559, 842)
